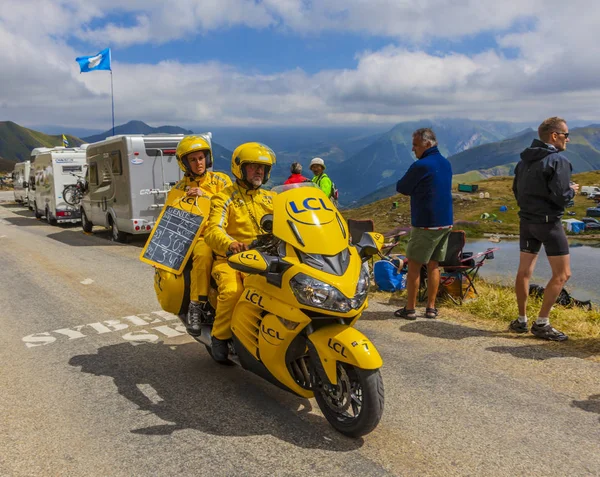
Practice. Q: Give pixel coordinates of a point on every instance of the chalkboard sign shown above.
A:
(170, 243)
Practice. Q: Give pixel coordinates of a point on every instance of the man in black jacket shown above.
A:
(543, 188)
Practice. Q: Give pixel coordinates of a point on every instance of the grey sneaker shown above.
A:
(518, 326)
(194, 319)
(546, 332)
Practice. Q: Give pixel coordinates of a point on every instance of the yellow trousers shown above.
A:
(201, 265)
(230, 285)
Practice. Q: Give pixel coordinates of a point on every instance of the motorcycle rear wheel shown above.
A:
(353, 406)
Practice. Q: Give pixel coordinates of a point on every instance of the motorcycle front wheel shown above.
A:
(354, 405)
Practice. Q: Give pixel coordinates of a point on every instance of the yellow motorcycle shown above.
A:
(305, 288)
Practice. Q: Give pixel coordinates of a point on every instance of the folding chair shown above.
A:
(357, 227)
(457, 265)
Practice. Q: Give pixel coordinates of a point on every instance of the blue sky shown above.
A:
(299, 62)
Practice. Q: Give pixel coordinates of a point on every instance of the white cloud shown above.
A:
(554, 70)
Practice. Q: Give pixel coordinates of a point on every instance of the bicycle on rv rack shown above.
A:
(73, 193)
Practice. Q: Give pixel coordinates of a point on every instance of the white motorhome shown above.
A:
(589, 190)
(55, 169)
(20, 178)
(31, 180)
(128, 178)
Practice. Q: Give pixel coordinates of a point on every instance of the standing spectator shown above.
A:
(428, 182)
(296, 176)
(317, 166)
(543, 188)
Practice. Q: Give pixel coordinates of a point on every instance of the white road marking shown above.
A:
(87, 281)
(150, 393)
(135, 337)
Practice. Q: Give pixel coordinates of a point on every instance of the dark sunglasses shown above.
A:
(566, 135)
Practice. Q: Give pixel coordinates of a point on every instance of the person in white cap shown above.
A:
(317, 166)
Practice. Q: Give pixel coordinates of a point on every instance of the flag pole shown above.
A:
(112, 98)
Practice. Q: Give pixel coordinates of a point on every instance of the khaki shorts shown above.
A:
(426, 245)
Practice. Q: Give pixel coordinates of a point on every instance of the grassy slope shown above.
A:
(16, 143)
(470, 210)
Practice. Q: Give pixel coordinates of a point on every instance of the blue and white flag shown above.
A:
(101, 61)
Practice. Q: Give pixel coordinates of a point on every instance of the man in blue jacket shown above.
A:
(428, 182)
(543, 188)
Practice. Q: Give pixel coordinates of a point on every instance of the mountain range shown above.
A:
(364, 163)
(385, 160)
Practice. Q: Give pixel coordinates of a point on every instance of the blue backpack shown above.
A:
(388, 277)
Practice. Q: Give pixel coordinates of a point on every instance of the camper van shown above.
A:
(589, 190)
(128, 178)
(20, 178)
(31, 180)
(53, 170)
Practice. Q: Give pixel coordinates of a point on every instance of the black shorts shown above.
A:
(552, 236)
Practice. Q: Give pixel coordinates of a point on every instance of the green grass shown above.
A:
(496, 307)
(469, 211)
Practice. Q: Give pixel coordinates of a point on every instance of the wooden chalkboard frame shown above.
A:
(167, 211)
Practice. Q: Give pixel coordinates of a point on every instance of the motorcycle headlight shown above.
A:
(362, 289)
(312, 292)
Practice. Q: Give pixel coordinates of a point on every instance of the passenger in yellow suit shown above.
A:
(194, 155)
(233, 223)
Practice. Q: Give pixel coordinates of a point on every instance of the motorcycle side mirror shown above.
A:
(370, 244)
(250, 261)
(266, 223)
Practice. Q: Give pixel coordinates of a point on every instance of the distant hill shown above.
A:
(583, 151)
(468, 208)
(222, 155)
(137, 127)
(6, 165)
(467, 177)
(383, 162)
(16, 143)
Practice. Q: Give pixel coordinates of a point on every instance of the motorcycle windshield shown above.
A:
(304, 217)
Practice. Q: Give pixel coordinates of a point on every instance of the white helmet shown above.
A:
(318, 162)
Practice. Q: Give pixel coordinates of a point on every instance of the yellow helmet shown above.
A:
(252, 152)
(191, 144)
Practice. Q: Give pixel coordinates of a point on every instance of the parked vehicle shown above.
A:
(593, 212)
(592, 226)
(128, 177)
(31, 181)
(20, 177)
(53, 171)
(589, 190)
(590, 220)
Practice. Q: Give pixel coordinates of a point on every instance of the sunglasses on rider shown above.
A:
(566, 135)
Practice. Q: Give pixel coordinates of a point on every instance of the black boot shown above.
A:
(194, 319)
(220, 350)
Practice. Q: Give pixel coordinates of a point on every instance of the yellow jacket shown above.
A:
(210, 183)
(235, 215)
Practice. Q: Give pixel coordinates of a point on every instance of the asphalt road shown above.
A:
(94, 380)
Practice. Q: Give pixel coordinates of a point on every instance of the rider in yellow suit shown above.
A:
(233, 223)
(194, 155)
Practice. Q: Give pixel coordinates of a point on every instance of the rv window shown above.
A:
(115, 157)
(93, 173)
(69, 169)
